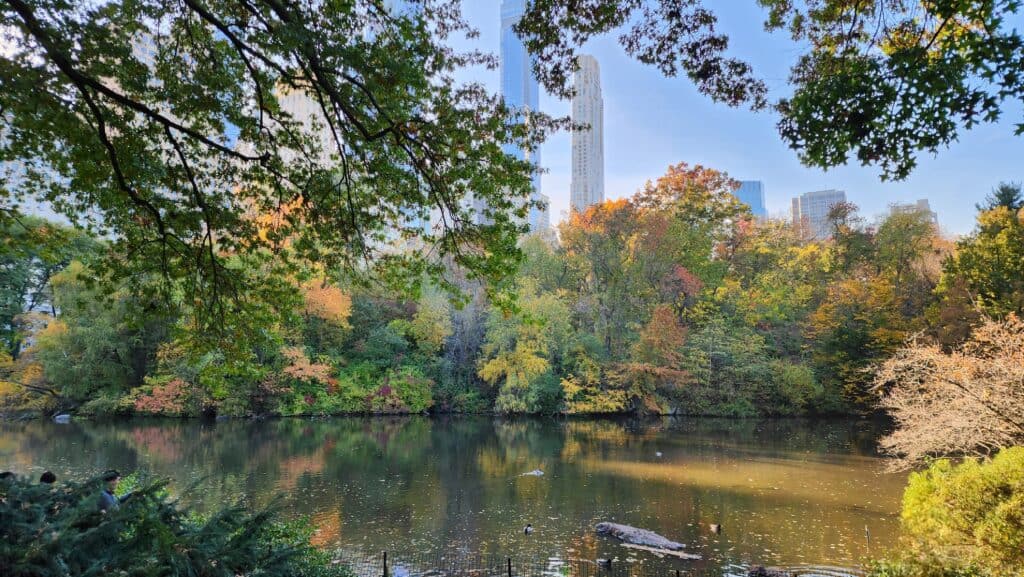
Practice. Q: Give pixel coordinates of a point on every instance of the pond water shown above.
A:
(787, 493)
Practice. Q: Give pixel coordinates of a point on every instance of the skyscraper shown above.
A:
(751, 193)
(587, 145)
(518, 86)
(810, 212)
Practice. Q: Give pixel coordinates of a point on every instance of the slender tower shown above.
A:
(520, 89)
(587, 144)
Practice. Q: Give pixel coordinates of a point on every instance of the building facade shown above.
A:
(519, 87)
(921, 206)
(587, 186)
(810, 212)
(751, 193)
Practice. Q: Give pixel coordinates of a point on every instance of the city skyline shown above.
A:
(651, 122)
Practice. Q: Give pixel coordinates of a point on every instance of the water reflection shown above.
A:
(786, 492)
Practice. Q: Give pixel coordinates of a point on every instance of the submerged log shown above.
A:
(663, 552)
(637, 536)
(761, 571)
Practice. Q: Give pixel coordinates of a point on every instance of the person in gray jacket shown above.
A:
(109, 501)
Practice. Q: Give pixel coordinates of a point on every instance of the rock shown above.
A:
(637, 536)
(762, 571)
(533, 473)
(62, 418)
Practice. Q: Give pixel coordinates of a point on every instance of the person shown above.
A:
(48, 478)
(108, 500)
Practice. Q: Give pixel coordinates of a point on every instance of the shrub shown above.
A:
(970, 514)
(58, 531)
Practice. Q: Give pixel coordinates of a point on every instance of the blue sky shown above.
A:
(652, 121)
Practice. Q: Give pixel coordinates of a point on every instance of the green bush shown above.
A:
(58, 531)
(971, 514)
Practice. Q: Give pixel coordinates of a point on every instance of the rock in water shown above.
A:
(761, 571)
(62, 419)
(637, 536)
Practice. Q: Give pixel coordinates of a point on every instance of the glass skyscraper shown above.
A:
(751, 193)
(518, 85)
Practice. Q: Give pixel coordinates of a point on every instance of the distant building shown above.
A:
(539, 219)
(518, 86)
(810, 212)
(921, 206)
(751, 193)
(587, 145)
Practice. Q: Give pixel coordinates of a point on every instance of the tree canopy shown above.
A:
(172, 127)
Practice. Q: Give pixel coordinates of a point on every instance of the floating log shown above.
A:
(663, 552)
(637, 536)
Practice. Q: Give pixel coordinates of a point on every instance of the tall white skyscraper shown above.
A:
(587, 145)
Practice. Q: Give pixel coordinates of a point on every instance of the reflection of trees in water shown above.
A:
(437, 484)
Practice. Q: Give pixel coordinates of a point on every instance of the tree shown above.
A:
(1007, 194)
(990, 263)
(126, 110)
(32, 252)
(147, 527)
(902, 240)
(653, 370)
(858, 323)
(522, 352)
(966, 401)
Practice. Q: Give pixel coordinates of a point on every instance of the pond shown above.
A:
(789, 493)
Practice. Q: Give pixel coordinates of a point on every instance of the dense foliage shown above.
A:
(172, 127)
(965, 519)
(672, 300)
(58, 530)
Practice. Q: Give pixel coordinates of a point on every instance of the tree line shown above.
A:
(674, 300)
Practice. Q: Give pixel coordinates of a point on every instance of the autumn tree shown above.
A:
(653, 372)
(966, 401)
(521, 352)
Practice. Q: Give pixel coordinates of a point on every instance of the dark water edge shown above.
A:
(787, 492)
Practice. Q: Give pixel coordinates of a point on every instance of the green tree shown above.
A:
(990, 263)
(1007, 194)
(148, 526)
(858, 323)
(97, 348)
(901, 242)
(32, 252)
(122, 110)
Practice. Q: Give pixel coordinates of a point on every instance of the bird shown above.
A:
(715, 528)
(527, 529)
(657, 454)
(606, 563)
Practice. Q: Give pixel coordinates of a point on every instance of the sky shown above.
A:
(652, 121)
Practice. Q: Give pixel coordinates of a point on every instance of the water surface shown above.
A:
(788, 492)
